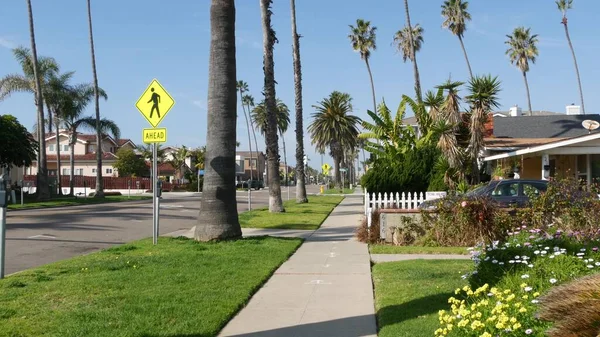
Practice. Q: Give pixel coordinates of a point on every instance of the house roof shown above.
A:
(548, 146)
(504, 143)
(550, 126)
(83, 157)
(246, 154)
(81, 137)
(122, 142)
(533, 113)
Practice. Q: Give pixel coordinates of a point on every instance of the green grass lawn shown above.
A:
(409, 294)
(73, 201)
(178, 288)
(337, 191)
(297, 216)
(390, 249)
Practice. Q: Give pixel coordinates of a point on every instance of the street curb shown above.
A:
(75, 205)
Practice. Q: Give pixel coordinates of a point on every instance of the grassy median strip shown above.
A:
(307, 216)
(178, 288)
(390, 249)
(338, 191)
(409, 294)
(73, 201)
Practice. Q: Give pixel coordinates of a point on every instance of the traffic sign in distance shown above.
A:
(155, 103)
(343, 170)
(326, 167)
(158, 135)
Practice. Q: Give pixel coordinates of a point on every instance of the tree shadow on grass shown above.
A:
(416, 308)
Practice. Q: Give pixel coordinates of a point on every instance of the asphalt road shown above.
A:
(38, 237)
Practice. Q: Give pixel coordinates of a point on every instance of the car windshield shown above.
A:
(479, 191)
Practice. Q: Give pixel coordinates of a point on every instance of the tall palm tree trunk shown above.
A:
(99, 186)
(258, 167)
(287, 179)
(336, 170)
(576, 66)
(275, 201)
(72, 163)
(372, 85)
(218, 217)
(42, 188)
(58, 173)
(249, 140)
(414, 55)
(528, 96)
(462, 45)
(300, 178)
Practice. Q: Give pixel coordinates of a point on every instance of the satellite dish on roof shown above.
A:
(590, 125)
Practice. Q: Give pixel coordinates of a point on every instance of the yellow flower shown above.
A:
(525, 297)
(523, 285)
(522, 310)
(486, 334)
(499, 325)
(516, 326)
(536, 294)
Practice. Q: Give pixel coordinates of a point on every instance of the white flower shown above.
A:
(494, 261)
(511, 261)
(528, 289)
(552, 256)
(524, 276)
(553, 280)
(590, 266)
(582, 250)
(535, 301)
(501, 263)
(517, 257)
(530, 266)
(536, 252)
(580, 254)
(597, 264)
(546, 248)
(528, 332)
(490, 294)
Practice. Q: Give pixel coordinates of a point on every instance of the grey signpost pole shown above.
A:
(3, 204)
(154, 196)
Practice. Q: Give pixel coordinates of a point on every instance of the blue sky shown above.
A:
(137, 41)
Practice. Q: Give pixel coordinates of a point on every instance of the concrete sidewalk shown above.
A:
(323, 290)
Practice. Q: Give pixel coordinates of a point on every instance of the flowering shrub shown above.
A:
(464, 222)
(531, 261)
(490, 312)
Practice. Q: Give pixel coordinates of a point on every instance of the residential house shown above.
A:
(84, 154)
(544, 146)
(245, 165)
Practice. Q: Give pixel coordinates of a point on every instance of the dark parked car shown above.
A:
(507, 193)
(255, 184)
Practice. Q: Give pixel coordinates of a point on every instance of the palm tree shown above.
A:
(334, 127)
(99, 184)
(242, 87)
(402, 41)
(218, 217)
(455, 14)
(269, 39)
(178, 160)
(248, 101)
(522, 48)
(77, 99)
(564, 6)
(483, 98)
(300, 181)
(43, 189)
(411, 43)
(363, 41)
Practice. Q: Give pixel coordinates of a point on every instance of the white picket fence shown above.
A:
(398, 200)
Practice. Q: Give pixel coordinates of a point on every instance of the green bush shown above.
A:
(408, 172)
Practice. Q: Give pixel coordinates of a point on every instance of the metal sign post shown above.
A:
(3, 204)
(155, 205)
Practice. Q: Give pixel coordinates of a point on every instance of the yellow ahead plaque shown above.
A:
(158, 135)
(155, 103)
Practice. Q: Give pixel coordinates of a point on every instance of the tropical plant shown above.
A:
(248, 101)
(455, 17)
(483, 98)
(242, 87)
(363, 40)
(300, 180)
(146, 153)
(198, 155)
(411, 43)
(74, 100)
(563, 7)
(269, 40)
(17, 146)
(218, 217)
(178, 160)
(99, 126)
(522, 49)
(402, 41)
(334, 127)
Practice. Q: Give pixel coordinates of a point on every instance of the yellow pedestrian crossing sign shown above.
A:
(326, 169)
(155, 103)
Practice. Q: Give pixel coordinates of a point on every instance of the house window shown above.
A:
(79, 172)
(582, 168)
(51, 148)
(595, 164)
(66, 171)
(65, 147)
(253, 163)
(93, 170)
(108, 171)
(91, 148)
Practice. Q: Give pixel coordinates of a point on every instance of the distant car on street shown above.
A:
(507, 193)
(254, 184)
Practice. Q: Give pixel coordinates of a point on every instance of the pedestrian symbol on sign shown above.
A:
(155, 99)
